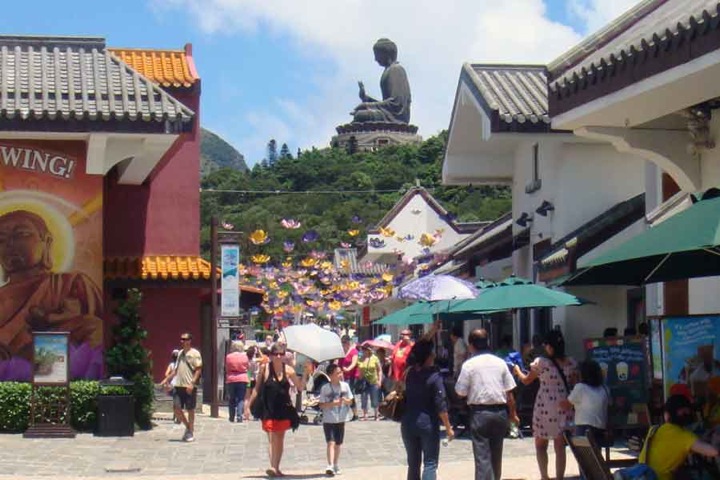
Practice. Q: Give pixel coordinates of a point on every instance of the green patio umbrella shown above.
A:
(514, 292)
(683, 246)
(417, 313)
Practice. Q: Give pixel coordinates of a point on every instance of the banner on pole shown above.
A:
(230, 284)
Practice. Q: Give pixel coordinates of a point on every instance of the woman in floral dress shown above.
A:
(550, 418)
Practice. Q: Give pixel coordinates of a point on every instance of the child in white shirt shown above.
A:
(335, 400)
(590, 398)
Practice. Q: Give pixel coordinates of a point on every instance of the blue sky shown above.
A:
(287, 69)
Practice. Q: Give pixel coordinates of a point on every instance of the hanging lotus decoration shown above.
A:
(227, 226)
(288, 246)
(290, 223)
(356, 219)
(308, 262)
(377, 242)
(260, 258)
(310, 236)
(259, 237)
(387, 232)
(353, 232)
(387, 277)
(318, 255)
(427, 240)
(345, 244)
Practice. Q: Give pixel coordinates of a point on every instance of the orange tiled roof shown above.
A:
(169, 68)
(166, 267)
(170, 267)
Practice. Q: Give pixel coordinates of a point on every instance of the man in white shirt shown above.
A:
(487, 384)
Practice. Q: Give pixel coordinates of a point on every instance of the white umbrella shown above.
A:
(314, 342)
(438, 287)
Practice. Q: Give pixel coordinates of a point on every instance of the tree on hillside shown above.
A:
(272, 153)
(285, 152)
(378, 180)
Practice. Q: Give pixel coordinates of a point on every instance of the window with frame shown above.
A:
(535, 183)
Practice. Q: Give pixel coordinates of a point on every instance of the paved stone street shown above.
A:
(224, 450)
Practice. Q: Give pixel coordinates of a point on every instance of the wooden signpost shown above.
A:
(50, 413)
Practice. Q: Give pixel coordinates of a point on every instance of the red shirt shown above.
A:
(347, 361)
(399, 359)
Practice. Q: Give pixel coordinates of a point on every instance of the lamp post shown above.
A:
(214, 407)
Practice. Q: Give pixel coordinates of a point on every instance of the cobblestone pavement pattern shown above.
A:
(224, 450)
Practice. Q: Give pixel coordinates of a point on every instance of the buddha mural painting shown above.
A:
(43, 286)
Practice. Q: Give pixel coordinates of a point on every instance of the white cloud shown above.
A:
(595, 14)
(434, 40)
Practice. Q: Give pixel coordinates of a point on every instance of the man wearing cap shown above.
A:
(487, 384)
(188, 369)
(398, 359)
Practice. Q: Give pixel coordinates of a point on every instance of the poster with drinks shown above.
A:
(624, 362)
(51, 255)
(230, 283)
(690, 352)
(50, 358)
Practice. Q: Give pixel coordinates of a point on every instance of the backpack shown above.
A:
(641, 471)
(637, 472)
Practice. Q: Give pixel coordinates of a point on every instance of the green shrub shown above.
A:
(15, 398)
(129, 359)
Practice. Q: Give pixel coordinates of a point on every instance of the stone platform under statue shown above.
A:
(369, 136)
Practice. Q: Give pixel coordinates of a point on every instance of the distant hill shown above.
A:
(216, 153)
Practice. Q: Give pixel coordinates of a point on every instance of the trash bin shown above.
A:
(116, 413)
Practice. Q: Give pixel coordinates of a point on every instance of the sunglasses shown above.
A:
(182, 339)
(278, 354)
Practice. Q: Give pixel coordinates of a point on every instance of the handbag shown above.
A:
(360, 386)
(257, 409)
(393, 405)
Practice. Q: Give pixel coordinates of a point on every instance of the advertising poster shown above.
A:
(50, 359)
(624, 364)
(230, 285)
(691, 347)
(50, 255)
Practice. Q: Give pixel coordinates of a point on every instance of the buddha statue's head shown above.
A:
(25, 243)
(385, 52)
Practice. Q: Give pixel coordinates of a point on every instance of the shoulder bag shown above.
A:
(257, 409)
(393, 405)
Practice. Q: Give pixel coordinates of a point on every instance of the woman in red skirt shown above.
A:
(276, 411)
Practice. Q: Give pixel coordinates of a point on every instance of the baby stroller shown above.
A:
(312, 397)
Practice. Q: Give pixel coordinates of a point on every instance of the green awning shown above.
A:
(684, 246)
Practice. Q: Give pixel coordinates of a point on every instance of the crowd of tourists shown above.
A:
(265, 382)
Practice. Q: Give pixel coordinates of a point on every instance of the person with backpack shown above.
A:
(668, 446)
(336, 397)
(185, 379)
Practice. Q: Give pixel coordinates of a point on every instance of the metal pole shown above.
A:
(214, 407)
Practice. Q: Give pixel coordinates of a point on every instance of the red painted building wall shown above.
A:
(162, 217)
(168, 312)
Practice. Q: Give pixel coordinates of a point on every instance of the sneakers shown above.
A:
(330, 471)
(337, 470)
(188, 436)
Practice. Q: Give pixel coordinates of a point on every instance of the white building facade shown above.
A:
(501, 133)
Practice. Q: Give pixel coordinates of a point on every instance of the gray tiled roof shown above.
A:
(354, 267)
(77, 78)
(648, 24)
(515, 93)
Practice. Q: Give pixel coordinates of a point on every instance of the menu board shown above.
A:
(624, 362)
(690, 351)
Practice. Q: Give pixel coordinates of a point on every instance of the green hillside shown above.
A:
(216, 153)
(353, 192)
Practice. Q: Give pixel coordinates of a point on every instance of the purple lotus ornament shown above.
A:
(310, 236)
